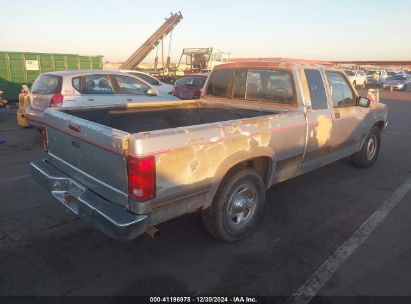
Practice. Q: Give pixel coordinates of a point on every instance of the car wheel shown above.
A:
(236, 207)
(370, 149)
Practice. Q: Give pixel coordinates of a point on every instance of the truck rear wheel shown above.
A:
(237, 206)
(368, 154)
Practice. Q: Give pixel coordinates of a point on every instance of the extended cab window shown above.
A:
(97, 84)
(341, 92)
(317, 89)
(266, 85)
(221, 83)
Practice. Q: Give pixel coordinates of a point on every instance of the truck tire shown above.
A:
(236, 207)
(370, 149)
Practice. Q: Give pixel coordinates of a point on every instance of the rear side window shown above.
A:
(97, 84)
(268, 85)
(340, 90)
(47, 84)
(221, 83)
(191, 81)
(317, 90)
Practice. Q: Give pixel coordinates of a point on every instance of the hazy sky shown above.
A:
(311, 29)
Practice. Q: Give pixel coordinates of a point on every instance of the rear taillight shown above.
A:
(56, 100)
(141, 178)
(21, 99)
(44, 136)
(74, 127)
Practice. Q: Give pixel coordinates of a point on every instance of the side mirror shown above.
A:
(364, 102)
(151, 92)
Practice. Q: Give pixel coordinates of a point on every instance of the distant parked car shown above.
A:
(190, 86)
(403, 73)
(162, 87)
(87, 88)
(357, 78)
(396, 82)
(377, 77)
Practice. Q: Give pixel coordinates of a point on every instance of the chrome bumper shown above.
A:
(113, 220)
(385, 125)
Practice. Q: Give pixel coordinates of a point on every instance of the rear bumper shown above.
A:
(374, 81)
(394, 87)
(35, 118)
(115, 221)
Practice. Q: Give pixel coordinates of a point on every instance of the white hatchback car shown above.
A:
(87, 88)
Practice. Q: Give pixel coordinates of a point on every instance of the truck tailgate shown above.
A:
(80, 148)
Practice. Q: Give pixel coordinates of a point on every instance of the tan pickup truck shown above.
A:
(128, 168)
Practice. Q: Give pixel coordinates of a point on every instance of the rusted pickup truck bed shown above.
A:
(134, 120)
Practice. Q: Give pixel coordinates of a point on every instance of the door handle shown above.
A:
(337, 116)
(90, 99)
(129, 99)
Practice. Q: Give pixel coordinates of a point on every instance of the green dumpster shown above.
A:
(17, 68)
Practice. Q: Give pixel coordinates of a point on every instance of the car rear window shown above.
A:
(47, 84)
(267, 85)
(195, 81)
(263, 85)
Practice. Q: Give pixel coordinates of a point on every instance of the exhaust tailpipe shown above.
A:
(153, 232)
